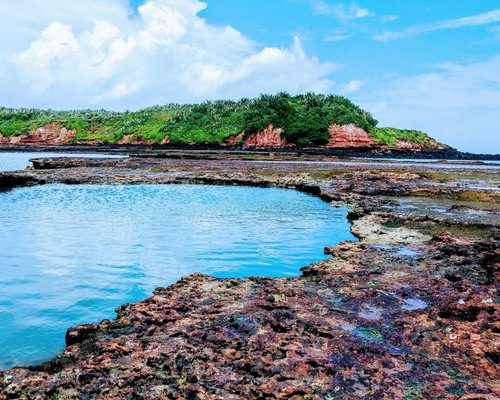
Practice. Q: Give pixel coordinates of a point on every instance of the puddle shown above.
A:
(407, 252)
(370, 334)
(382, 247)
(414, 304)
(347, 327)
(363, 332)
(400, 251)
(371, 313)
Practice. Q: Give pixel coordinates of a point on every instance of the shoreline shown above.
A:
(393, 298)
(166, 149)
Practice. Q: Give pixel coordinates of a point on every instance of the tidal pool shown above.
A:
(72, 254)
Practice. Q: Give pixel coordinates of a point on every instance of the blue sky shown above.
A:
(429, 65)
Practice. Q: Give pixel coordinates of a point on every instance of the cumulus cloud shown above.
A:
(100, 54)
(457, 104)
(341, 10)
(474, 20)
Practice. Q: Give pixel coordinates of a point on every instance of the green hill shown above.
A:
(304, 119)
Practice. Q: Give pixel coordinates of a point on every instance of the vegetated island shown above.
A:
(270, 121)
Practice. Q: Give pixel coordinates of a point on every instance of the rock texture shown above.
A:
(430, 144)
(269, 137)
(349, 136)
(341, 137)
(126, 139)
(411, 311)
(232, 140)
(50, 134)
(137, 140)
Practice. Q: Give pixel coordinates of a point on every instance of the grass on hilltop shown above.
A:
(389, 137)
(305, 120)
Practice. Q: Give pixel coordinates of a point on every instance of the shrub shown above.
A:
(389, 136)
(304, 119)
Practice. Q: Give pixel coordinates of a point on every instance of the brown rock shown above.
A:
(232, 140)
(165, 140)
(50, 134)
(401, 144)
(269, 137)
(126, 139)
(80, 333)
(347, 136)
(133, 139)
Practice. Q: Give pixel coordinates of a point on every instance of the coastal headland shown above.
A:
(409, 311)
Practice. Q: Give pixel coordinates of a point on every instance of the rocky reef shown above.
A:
(410, 311)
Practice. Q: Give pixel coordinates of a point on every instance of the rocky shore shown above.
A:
(410, 311)
(157, 150)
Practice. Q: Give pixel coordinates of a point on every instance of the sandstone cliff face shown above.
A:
(269, 137)
(132, 139)
(126, 139)
(232, 140)
(50, 134)
(349, 136)
(341, 137)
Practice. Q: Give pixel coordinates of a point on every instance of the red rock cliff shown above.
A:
(232, 140)
(50, 134)
(269, 137)
(348, 136)
(133, 139)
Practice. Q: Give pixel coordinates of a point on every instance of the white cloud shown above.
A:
(99, 54)
(56, 44)
(337, 37)
(475, 20)
(351, 87)
(341, 10)
(388, 18)
(457, 104)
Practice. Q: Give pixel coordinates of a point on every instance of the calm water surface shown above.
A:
(14, 161)
(71, 254)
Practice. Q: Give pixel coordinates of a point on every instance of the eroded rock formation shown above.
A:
(341, 137)
(232, 140)
(50, 134)
(349, 136)
(134, 139)
(269, 137)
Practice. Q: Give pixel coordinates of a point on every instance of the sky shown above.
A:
(431, 65)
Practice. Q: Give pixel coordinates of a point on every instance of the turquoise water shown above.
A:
(72, 254)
